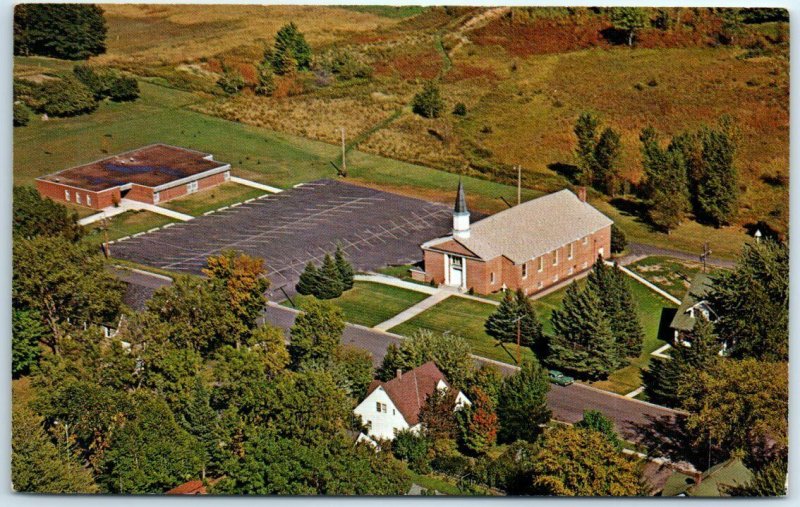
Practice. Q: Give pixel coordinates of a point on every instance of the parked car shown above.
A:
(560, 379)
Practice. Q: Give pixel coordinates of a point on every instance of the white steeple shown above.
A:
(460, 215)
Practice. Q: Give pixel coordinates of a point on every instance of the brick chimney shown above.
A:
(582, 194)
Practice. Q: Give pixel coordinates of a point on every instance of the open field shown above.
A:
(370, 304)
(672, 275)
(211, 199)
(463, 317)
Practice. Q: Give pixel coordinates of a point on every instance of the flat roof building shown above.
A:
(151, 174)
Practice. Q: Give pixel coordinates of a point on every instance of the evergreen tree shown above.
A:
(291, 51)
(769, 481)
(309, 281)
(202, 422)
(606, 177)
(717, 191)
(345, 269)
(629, 20)
(515, 309)
(586, 132)
(618, 240)
(611, 284)
(664, 377)
(665, 186)
(266, 80)
(583, 342)
(330, 277)
(428, 103)
(522, 406)
(751, 302)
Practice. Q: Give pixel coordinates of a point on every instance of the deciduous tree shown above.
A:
(522, 407)
(437, 415)
(27, 331)
(479, 423)
(629, 20)
(244, 280)
(35, 216)
(68, 31)
(595, 420)
(451, 353)
(428, 103)
(316, 333)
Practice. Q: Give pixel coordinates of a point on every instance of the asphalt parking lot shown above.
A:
(296, 226)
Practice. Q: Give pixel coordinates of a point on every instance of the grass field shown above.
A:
(464, 317)
(672, 275)
(211, 199)
(126, 224)
(369, 304)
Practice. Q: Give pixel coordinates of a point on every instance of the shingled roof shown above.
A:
(532, 228)
(410, 390)
(701, 286)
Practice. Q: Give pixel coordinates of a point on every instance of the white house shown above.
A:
(395, 405)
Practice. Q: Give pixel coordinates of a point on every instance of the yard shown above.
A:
(211, 199)
(464, 317)
(369, 303)
(126, 224)
(672, 275)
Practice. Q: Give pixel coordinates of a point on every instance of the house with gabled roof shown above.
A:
(393, 406)
(531, 246)
(693, 305)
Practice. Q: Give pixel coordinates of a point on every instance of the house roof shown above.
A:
(409, 391)
(150, 166)
(532, 228)
(189, 488)
(714, 482)
(698, 290)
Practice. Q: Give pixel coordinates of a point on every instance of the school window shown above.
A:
(555, 258)
(88, 200)
(191, 187)
(77, 197)
(541, 264)
(571, 251)
(525, 270)
(66, 194)
(491, 277)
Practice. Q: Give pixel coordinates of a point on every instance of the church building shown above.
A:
(531, 246)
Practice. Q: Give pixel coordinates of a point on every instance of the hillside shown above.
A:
(524, 76)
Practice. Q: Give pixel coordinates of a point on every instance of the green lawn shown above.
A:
(370, 303)
(654, 314)
(672, 275)
(211, 199)
(431, 482)
(126, 224)
(464, 317)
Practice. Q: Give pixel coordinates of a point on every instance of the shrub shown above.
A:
(266, 80)
(412, 448)
(21, 114)
(428, 103)
(231, 82)
(66, 97)
(460, 109)
(107, 83)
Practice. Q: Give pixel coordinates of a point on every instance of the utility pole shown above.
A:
(344, 161)
(519, 185)
(706, 253)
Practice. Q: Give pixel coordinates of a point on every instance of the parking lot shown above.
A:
(299, 225)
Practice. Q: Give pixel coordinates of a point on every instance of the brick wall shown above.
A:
(58, 192)
(479, 273)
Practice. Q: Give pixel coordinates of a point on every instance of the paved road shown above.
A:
(567, 403)
(640, 249)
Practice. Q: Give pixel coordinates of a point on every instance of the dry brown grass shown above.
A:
(181, 33)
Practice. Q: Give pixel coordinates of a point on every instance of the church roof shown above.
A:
(532, 228)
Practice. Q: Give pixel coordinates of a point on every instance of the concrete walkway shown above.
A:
(410, 313)
(396, 282)
(131, 205)
(254, 184)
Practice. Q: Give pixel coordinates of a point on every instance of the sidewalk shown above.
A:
(410, 313)
(254, 184)
(130, 205)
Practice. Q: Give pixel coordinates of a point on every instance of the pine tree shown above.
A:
(522, 406)
(291, 51)
(266, 80)
(583, 342)
(669, 200)
(330, 280)
(345, 269)
(586, 132)
(502, 323)
(663, 379)
(309, 281)
(606, 176)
